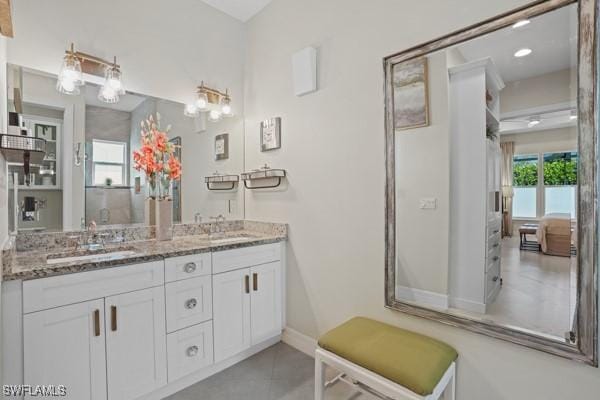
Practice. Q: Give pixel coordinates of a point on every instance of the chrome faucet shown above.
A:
(197, 218)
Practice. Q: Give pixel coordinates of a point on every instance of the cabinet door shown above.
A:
(135, 343)
(265, 301)
(66, 346)
(231, 313)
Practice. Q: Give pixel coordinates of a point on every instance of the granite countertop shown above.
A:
(33, 264)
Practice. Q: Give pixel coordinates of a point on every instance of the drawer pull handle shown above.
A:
(97, 323)
(113, 318)
(255, 281)
(192, 351)
(495, 278)
(496, 244)
(496, 231)
(496, 258)
(247, 283)
(191, 303)
(190, 267)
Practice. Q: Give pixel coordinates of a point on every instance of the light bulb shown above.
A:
(108, 95)
(68, 84)
(226, 107)
(70, 76)
(202, 102)
(190, 110)
(214, 115)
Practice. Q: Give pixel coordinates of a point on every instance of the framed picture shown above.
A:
(270, 134)
(410, 94)
(46, 132)
(222, 146)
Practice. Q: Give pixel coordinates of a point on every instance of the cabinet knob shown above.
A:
(496, 258)
(192, 351)
(190, 267)
(495, 278)
(191, 303)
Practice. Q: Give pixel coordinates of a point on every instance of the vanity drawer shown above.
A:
(45, 293)
(492, 279)
(189, 350)
(493, 229)
(493, 258)
(188, 302)
(184, 267)
(230, 260)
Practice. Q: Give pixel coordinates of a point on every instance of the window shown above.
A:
(109, 162)
(560, 183)
(549, 189)
(525, 180)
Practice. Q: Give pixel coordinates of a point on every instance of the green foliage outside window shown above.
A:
(525, 173)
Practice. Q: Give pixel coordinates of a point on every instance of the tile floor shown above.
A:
(277, 373)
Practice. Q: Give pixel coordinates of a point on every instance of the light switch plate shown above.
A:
(429, 203)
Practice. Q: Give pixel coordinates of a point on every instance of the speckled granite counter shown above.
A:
(21, 262)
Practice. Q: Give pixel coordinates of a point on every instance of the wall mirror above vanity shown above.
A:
(88, 171)
(491, 179)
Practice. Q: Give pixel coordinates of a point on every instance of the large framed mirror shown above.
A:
(491, 178)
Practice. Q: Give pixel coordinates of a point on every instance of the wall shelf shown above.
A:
(213, 182)
(16, 148)
(263, 173)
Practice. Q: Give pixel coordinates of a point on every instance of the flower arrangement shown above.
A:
(156, 158)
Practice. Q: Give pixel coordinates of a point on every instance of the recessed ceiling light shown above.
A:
(523, 52)
(533, 121)
(521, 23)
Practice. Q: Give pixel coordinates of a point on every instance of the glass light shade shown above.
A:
(114, 80)
(202, 102)
(70, 76)
(67, 86)
(108, 95)
(226, 110)
(214, 116)
(190, 110)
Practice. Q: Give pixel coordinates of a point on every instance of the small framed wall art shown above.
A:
(270, 134)
(222, 146)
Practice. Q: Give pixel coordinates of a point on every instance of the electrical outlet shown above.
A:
(428, 203)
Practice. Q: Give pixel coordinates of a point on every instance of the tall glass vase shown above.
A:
(164, 209)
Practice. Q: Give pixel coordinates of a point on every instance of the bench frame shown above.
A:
(364, 380)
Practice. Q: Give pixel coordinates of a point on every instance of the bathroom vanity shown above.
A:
(148, 321)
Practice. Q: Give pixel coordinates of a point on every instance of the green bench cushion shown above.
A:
(411, 360)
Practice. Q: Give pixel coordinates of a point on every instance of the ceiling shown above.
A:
(239, 9)
(551, 36)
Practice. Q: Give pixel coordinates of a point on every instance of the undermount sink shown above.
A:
(96, 257)
(229, 239)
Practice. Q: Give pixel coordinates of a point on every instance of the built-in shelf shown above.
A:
(221, 182)
(261, 174)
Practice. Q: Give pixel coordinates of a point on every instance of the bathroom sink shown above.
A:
(229, 239)
(96, 257)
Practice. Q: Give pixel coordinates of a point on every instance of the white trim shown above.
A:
(422, 297)
(446, 386)
(539, 110)
(299, 341)
(467, 305)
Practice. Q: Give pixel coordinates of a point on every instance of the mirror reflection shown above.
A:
(486, 176)
(88, 173)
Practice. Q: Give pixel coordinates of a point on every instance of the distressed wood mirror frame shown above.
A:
(585, 347)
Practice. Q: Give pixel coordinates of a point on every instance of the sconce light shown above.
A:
(217, 104)
(70, 77)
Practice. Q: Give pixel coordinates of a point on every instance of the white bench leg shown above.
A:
(319, 378)
(450, 391)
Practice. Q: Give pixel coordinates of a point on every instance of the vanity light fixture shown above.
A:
(533, 121)
(70, 77)
(523, 52)
(217, 104)
(75, 63)
(521, 23)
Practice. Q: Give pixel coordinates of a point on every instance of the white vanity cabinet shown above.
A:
(247, 299)
(109, 348)
(146, 330)
(66, 346)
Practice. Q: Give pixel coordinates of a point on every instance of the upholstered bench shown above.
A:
(386, 361)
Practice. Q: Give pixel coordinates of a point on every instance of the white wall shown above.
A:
(333, 149)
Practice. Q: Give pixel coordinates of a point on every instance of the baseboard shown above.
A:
(299, 341)
(422, 297)
(467, 305)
